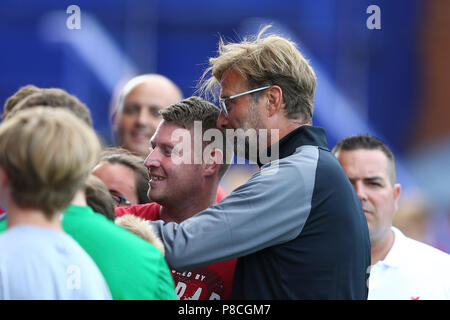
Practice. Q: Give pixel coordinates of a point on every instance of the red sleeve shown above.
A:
(147, 211)
(150, 211)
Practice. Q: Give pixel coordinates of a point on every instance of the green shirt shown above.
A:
(133, 268)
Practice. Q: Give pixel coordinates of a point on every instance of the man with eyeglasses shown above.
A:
(296, 226)
(125, 176)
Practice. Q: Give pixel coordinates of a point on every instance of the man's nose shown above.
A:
(222, 121)
(142, 117)
(152, 159)
(360, 191)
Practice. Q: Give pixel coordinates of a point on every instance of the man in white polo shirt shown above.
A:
(402, 268)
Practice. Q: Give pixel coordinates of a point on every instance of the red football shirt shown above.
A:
(212, 282)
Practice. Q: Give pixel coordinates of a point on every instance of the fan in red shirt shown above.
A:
(180, 189)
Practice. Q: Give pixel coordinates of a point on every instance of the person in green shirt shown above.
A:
(133, 268)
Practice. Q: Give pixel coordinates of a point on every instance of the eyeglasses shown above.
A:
(120, 201)
(223, 105)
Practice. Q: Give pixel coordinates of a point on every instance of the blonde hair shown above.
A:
(269, 60)
(141, 228)
(47, 154)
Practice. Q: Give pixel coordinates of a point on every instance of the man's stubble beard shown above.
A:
(252, 122)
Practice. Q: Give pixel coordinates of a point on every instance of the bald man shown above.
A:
(137, 113)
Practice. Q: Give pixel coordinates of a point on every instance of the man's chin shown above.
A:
(155, 196)
(151, 197)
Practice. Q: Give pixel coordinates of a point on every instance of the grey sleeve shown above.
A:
(269, 209)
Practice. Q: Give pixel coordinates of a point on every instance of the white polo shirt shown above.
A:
(411, 270)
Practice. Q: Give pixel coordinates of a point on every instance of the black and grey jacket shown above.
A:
(297, 227)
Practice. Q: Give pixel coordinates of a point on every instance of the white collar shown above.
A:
(394, 257)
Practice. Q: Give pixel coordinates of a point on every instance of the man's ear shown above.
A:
(274, 96)
(4, 179)
(213, 158)
(397, 191)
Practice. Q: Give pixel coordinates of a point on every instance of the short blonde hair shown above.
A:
(269, 60)
(47, 154)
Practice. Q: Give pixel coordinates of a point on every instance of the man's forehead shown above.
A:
(170, 133)
(146, 94)
(232, 82)
(364, 163)
(106, 166)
